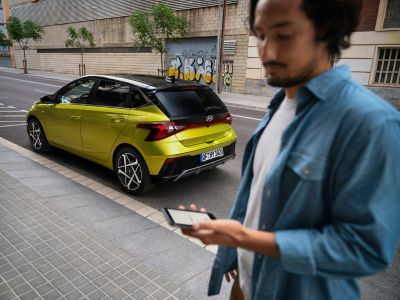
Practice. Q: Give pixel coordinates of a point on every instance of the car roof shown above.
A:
(149, 82)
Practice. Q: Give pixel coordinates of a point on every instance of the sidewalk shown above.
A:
(60, 239)
(232, 99)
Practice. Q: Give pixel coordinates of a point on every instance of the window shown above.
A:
(112, 93)
(138, 99)
(76, 92)
(392, 14)
(388, 66)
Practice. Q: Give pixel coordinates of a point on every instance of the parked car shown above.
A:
(146, 128)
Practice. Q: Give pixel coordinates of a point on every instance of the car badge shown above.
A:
(209, 118)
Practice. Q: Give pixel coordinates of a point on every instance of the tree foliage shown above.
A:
(79, 38)
(152, 29)
(23, 32)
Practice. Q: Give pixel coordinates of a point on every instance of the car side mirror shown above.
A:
(47, 99)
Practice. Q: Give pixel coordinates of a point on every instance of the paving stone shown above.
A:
(139, 294)
(118, 294)
(44, 288)
(96, 295)
(22, 289)
(66, 288)
(74, 295)
(52, 295)
(29, 295)
(87, 288)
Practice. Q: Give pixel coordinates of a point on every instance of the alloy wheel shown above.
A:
(35, 134)
(130, 171)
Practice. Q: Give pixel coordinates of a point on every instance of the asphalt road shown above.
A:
(214, 189)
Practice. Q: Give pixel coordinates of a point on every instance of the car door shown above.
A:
(105, 117)
(63, 120)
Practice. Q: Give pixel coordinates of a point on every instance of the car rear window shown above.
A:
(189, 102)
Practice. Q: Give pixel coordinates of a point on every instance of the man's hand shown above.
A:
(221, 232)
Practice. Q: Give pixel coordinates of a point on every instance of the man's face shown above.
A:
(287, 43)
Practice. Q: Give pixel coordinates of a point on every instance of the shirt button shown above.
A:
(259, 256)
(263, 227)
(268, 192)
(306, 172)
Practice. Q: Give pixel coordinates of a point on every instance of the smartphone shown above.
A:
(185, 218)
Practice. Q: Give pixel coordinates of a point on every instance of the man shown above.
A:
(319, 200)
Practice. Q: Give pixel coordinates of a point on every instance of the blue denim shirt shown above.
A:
(332, 195)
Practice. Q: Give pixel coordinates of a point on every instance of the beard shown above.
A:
(286, 82)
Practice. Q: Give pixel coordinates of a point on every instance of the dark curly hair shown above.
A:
(335, 21)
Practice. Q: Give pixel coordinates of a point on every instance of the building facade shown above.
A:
(193, 57)
(374, 56)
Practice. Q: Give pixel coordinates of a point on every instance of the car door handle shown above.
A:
(117, 119)
(75, 117)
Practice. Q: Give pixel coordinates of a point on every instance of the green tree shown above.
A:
(80, 38)
(4, 42)
(22, 33)
(153, 29)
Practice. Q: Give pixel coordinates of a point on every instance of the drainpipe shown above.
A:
(221, 49)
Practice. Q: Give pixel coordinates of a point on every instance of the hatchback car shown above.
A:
(146, 128)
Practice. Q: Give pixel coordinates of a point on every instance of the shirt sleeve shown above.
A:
(365, 228)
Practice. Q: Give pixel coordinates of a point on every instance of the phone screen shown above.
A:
(184, 217)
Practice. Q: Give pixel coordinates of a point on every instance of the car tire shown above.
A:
(132, 172)
(37, 137)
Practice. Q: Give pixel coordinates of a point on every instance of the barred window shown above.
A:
(392, 14)
(388, 66)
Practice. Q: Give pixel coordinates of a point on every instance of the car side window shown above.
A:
(137, 99)
(76, 92)
(112, 93)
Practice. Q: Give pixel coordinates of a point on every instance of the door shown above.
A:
(105, 117)
(64, 119)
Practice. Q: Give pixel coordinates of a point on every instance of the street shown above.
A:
(214, 190)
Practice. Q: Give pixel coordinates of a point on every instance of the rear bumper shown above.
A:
(198, 169)
(190, 165)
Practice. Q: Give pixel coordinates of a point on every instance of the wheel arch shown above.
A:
(123, 145)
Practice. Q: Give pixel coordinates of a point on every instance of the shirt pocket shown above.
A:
(307, 166)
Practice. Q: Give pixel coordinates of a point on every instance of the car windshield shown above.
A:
(189, 102)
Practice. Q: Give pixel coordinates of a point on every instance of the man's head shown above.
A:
(296, 38)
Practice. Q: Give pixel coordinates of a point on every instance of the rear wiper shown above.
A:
(212, 108)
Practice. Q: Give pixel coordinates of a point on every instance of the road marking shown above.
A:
(1, 104)
(10, 121)
(10, 106)
(31, 81)
(7, 111)
(23, 110)
(12, 116)
(244, 117)
(11, 125)
(46, 92)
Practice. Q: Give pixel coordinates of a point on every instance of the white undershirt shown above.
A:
(266, 152)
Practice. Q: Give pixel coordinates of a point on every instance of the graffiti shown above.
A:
(227, 74)
(198, 69)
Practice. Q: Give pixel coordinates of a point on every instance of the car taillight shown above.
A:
(162, 130)
(227, 119)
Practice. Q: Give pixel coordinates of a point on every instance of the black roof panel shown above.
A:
(156, 82)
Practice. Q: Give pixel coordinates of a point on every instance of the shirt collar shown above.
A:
(322, 85)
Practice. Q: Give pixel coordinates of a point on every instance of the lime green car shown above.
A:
(147, 129)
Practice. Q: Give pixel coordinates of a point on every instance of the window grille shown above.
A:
(388, 66)
(392, 14)
(229, 47)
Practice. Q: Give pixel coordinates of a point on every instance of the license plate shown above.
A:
(211, 154)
